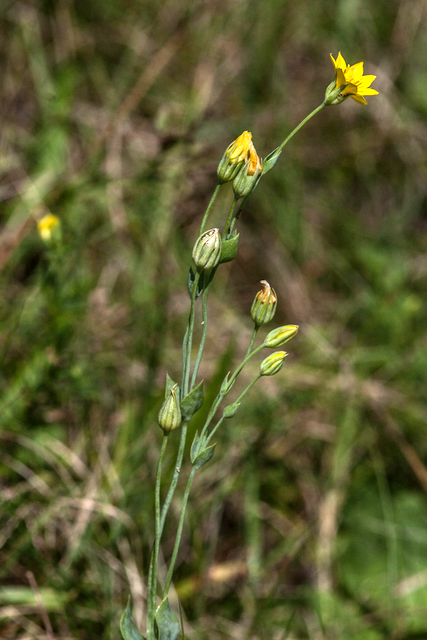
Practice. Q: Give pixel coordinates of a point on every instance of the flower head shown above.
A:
(236, 154)
(349, 81)
(48, 227)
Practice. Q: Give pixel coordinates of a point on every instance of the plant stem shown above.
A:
(302, 123)
(251, 344)
(229, 218)
(179, 531)
(152, 576)
(204, 330)
(221, 396)
(187, 493)
(175, 476)
(209, 207)
(250, 385)
(188, 341)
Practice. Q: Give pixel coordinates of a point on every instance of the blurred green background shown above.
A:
(310, 521)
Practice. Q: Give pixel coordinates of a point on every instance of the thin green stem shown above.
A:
(221, 396)
(179, 531)
(229, 218)
(251, 344)
(187, 494)
(204, 331)
(175, 476)
(209, 207)
(152, 577)
(188, 341)
(301, 124)
(242, 395)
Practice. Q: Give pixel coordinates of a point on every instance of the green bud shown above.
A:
(234, 157)
(279, 336)
(170, 412)
(264, 304)
(207, 250)
(273, 363)
(249, 175)
(231, 410)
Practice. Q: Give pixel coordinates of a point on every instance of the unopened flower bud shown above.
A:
(207, 250)
(248, 177)
(170, 412)
(264, 304)
(278, 337)
(234, 157)
(273, 363)
(49, 228)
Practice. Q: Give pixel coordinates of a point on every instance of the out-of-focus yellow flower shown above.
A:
(349, 82)
(48, 226)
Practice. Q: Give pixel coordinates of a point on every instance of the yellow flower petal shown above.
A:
(358, 98)
(340, 63)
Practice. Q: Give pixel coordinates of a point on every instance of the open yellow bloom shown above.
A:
(349, 81)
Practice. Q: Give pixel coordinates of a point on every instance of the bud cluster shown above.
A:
(241, 165)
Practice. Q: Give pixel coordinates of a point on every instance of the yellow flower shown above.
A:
(349, 81)
(47, 226)
(238, 150)
(236, 154)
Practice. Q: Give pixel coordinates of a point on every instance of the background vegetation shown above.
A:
(310, 521)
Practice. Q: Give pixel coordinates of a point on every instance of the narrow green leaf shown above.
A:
(128, 627)
(269, 162)
(192, 402)
(167, 622)
(204, 456)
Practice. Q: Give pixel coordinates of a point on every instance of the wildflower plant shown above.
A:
(243, 168)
